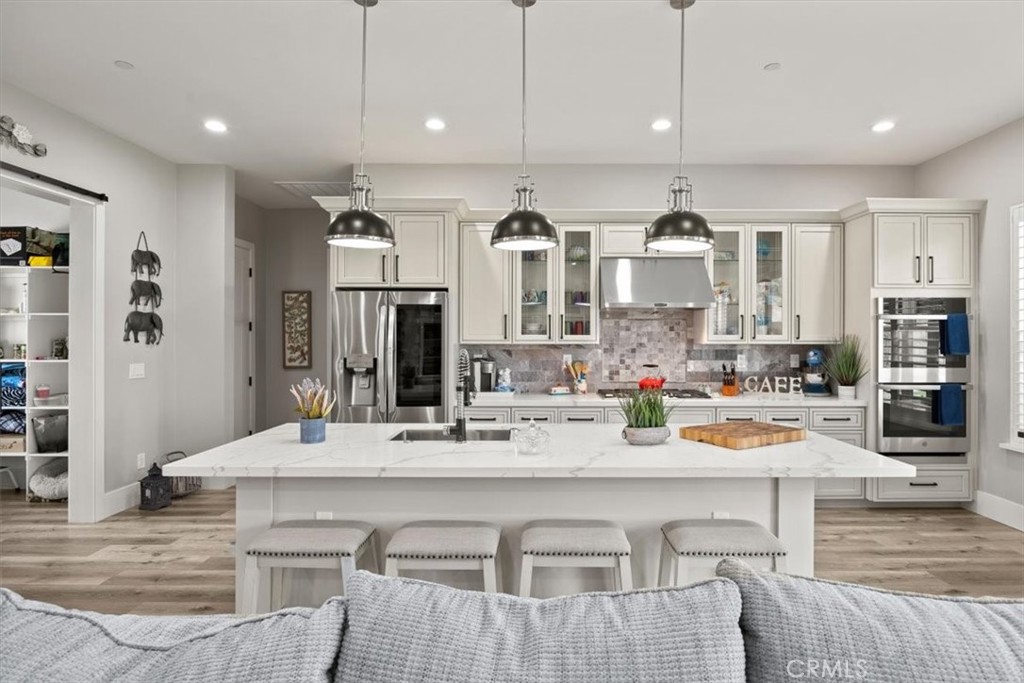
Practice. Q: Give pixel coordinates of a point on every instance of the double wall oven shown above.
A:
(913, 367)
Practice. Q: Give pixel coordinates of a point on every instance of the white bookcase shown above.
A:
(34, 313)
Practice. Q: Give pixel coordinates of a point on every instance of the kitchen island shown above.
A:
(588, 471)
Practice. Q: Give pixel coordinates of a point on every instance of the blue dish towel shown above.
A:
(948, 406)
(954, 338)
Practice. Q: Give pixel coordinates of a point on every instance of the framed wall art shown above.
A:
(297, 310)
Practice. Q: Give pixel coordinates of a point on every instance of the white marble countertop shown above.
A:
(747, 400)
(575, 451)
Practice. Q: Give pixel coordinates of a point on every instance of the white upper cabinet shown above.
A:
(817, 283)
(534, 295)
(727, 266)
(948, 243)
(485, 287)
(416, 260)
(769, 283)
(929, 250)
(578, 303)
(624, 239)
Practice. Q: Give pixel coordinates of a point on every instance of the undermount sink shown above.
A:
(439, 435)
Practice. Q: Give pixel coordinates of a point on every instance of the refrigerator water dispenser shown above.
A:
(362, 369)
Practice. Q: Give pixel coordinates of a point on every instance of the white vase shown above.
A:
(848, 392)
(646, 436)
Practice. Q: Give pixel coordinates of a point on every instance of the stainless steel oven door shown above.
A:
(909, 341)
(906, 425)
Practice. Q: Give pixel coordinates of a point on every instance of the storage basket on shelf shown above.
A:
(182, 486)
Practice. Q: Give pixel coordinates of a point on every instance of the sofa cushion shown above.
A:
(400, 630)
(42, 642)
(801, 628)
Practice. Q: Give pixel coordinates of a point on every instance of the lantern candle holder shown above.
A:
(155, 489)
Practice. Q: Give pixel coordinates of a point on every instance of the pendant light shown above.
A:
(524, 229)
(680, 229)
(360, 227)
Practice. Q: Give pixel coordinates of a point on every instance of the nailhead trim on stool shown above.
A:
(575, 543)
(684, 538)
(446, 545)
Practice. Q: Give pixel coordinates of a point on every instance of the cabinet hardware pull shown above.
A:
(785, 419)
(561, 324)
(742, 318)
(504, 327)
(550, 331)
(753, 326)
(931, 269)
(739, 419)
(396, 267)
(580, 419)
(383, 268)
(536, 418)
(930, 483)
(797, 325)
(836, 419)
(917, 269)
(483, 419)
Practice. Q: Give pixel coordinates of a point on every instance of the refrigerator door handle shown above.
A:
(392, 361)
(382, 363)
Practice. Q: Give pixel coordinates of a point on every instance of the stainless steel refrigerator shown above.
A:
(389, 354)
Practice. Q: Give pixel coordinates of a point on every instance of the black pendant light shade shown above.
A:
(524, 230)
(680, 231)
(360, 229)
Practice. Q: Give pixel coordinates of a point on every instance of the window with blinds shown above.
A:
(1017, 220)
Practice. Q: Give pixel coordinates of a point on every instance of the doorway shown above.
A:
(245, 339)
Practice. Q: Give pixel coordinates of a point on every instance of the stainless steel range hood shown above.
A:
(680, 282)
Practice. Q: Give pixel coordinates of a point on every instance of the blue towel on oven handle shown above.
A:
(954, 335)
(948, 405)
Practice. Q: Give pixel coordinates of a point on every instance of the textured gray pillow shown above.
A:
(405, 631)
(800, 628)
(42, 642)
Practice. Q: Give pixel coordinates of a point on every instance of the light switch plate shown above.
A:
(140, 461)
(136, 371)
(741, 361)
(566, 359)
(794, 360)
(321, 514)
(720, 514)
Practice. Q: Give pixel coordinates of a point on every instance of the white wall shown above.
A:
(990, 167)
(581, 186)
(141, 414)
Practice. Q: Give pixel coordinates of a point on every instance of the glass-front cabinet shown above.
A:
(556, 289)
(749, 268)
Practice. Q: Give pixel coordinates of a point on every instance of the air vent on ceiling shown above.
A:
(313, 188)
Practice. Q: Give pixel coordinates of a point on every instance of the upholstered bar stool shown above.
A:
(691, 538)
(445, 545)
(302, 544)
(575, 543)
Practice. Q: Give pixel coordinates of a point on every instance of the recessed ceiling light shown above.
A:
(883, 126)
(434, 124)
(772, 66)
(121, 64)
(215, 126)
(661, 124)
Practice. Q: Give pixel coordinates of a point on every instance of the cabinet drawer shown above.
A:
(739, 415)
(839, 487)
(852, 438)
(833, 418)
(499, 415)
(786, 416)
(927, 485)
(535, 414)
(692, 416)
(581, 415)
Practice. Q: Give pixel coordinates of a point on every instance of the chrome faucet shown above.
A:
(463, 398)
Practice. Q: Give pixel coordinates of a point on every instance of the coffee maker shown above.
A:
(485, 375)
(814, 381)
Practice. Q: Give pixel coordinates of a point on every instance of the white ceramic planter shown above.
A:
(646, 436)
(847, 392)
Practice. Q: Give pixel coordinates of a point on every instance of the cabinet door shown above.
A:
(817, 283)
(360, 266)
(577, 283)
(950, 251)
(624, 240)
(419, 254)
(727, 267)
(533, 295)
(485, 285)
(898, 250)
(769, 289)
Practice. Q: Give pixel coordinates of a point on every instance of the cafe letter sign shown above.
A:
(773, 385)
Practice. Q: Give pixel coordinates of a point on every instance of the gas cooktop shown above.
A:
(668, 393)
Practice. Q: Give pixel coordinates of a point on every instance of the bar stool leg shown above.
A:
(616, 577)
(373, 551)
(276, 588)
(251, 589)
(348, 568)
(779, 564)
(662, 561)
(625, 573)
(391, 566)
(490, 572)
(526, 577)
(679, 573)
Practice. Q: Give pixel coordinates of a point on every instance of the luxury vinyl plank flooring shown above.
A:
(178, 560)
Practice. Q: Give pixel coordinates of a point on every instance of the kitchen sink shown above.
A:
(440, 435)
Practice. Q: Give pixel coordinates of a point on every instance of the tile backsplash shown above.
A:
(632, 338)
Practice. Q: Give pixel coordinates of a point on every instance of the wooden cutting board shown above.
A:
(740, 435)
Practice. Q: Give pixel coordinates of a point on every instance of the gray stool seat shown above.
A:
(574, 537)
(445, 540)
(721, 538)
(311, 538)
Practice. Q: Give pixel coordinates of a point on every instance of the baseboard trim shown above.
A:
(119, 500)
(998, 509)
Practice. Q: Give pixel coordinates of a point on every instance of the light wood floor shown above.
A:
(178, 560)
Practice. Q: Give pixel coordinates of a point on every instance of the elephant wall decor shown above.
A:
(145, 262)
(144, 321)
(146, 292)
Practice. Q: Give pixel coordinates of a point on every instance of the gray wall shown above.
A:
(250, 221)
(990, 167)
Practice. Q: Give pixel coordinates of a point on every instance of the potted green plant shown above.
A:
(845, 364)
(646, 417)
(315, 405)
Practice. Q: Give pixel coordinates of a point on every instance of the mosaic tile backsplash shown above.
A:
(629, 340)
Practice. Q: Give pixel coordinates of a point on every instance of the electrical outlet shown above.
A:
(794, 360)
(566, 359)
(140, 461)
(741, 361)
(719, 514)
(136, 371)
(322, 514)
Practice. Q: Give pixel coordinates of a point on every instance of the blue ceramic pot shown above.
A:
(312, 431)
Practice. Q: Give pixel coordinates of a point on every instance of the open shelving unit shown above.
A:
(34, 315)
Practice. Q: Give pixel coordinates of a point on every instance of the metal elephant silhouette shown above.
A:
(143, 259)
(146, 291)
(143, 321)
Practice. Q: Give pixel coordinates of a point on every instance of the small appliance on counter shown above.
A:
(485, 376)
(814, 380)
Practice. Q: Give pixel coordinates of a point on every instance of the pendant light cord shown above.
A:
(362, 95)
(682, 74)
(523, 6)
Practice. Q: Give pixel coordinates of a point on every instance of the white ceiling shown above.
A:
(284, 75)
